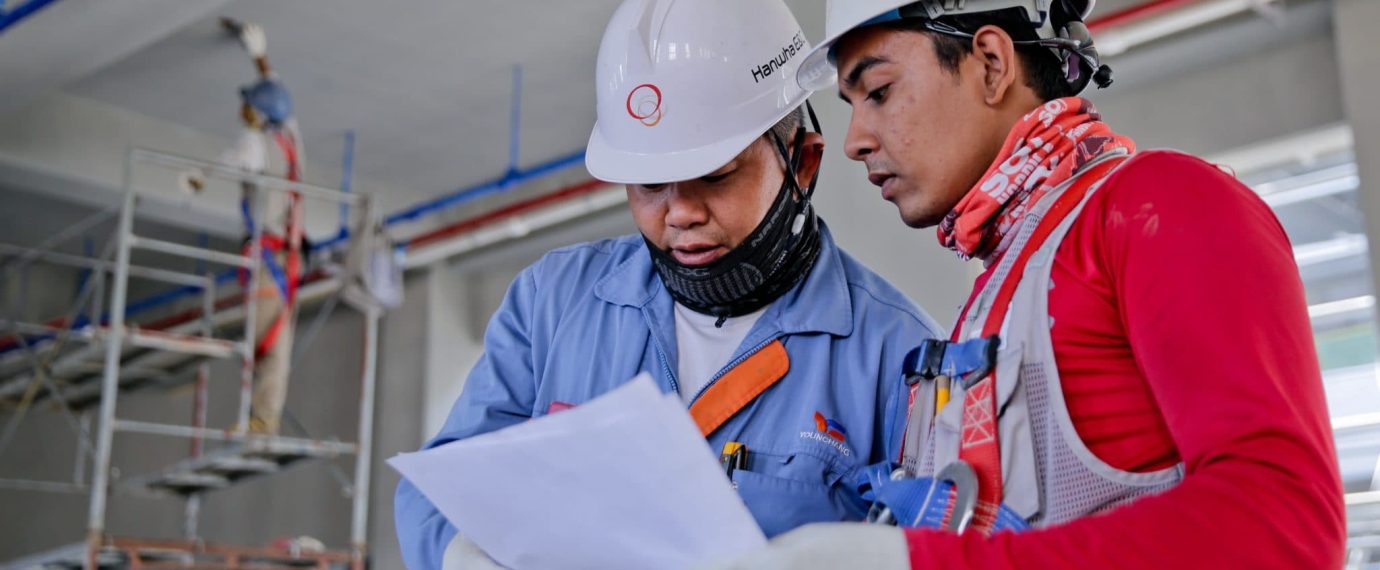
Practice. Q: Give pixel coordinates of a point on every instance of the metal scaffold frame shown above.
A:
(112, 337)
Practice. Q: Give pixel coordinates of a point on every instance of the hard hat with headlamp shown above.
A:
(1058, 26)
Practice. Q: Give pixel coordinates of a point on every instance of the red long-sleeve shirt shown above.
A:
(1181, 334)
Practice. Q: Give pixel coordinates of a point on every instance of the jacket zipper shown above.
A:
(661, 356)
(730, 366)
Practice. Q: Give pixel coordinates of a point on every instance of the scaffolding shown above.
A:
(88, 357)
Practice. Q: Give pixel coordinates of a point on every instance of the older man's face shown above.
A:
(698, 221)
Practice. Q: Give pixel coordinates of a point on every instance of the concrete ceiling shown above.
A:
(426, 86)
(65, 41)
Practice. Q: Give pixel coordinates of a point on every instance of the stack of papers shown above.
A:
(623, 481)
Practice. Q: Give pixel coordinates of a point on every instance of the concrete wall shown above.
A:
(1358, 54)
(404, 351)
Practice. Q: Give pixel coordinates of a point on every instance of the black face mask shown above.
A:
(775, 256)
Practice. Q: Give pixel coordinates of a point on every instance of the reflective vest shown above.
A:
(1011, 423)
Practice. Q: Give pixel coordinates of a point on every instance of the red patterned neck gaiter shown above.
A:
(1044, 149)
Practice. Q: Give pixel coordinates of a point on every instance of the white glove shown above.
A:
(464, 554)
(826, 546)
(191, 181)
(252, 36)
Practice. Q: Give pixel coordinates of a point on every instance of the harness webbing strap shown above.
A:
(978, 443)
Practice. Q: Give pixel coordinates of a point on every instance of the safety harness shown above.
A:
(288, 276)
(967, 493)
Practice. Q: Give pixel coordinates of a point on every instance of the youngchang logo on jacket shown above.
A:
(829, 432)
(777, 62)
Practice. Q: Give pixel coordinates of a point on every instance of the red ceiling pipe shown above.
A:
(470, 224)
(1136, 13)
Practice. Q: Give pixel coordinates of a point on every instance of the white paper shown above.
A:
(622, 481)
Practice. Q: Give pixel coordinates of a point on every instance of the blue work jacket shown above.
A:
(585, 319)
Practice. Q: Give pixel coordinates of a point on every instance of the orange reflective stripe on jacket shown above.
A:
(740, 386)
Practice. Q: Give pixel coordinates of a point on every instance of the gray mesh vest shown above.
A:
(1049, 475)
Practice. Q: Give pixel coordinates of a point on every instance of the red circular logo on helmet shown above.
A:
(644, 104)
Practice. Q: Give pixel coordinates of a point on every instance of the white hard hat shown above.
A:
(683, 87)
(843, 16)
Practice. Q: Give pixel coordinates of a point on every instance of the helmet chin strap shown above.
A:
(793, 161)
(776, 256)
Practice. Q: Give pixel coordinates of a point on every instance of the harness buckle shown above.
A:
(968, 361)
(924, 362)
(982, 355)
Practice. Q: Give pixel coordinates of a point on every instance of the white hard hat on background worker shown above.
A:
(679, 97)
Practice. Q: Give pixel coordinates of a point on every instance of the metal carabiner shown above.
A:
(960, 475)
(965, 482)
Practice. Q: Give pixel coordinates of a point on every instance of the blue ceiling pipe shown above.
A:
(11, 17)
